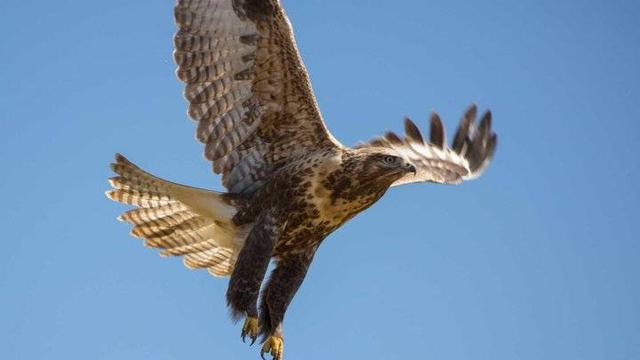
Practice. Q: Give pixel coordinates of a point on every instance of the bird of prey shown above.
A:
(290, 182)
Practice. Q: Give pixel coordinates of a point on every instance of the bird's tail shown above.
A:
(180, 220)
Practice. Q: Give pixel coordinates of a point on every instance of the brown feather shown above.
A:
(239, 61)
(464, 129)
(392, 138)
(436, 131)
(412, 131)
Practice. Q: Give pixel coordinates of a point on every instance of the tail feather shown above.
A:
(170, 238)
(139, 216)
(182, 230)
(222, 269)
(146, 199)
(168, 221)
(180, 220)
(189, 248)
(207, 258)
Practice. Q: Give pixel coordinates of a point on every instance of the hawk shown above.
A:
(290, 182)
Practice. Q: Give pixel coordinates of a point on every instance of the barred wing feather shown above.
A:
(247, 88)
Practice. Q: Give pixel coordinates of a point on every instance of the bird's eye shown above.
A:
(389, 159)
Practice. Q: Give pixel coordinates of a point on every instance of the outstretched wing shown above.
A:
(247, 88)
(472, 149)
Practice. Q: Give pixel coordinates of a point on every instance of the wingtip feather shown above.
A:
(471, 112)
(412, 132)
(392, 138)
(436, 131)
(464, 129)
(486, 119)
(120, 158)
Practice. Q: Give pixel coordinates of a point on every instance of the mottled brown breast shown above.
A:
(314, 196)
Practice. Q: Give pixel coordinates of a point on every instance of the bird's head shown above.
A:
(381, 167)
(365, 174)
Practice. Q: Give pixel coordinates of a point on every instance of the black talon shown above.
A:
(253, 340)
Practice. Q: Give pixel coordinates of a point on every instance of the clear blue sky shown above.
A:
(538, 259)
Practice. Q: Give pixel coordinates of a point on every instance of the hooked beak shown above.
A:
(410, 168)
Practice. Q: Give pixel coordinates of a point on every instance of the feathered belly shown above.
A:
(303, 238)
(307, 227)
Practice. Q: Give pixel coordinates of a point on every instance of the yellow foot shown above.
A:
(274, 346)
(250, 328)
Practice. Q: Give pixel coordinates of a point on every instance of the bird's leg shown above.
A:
(285, 280)
(249, 271)
(250, 328)
(274, 344)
